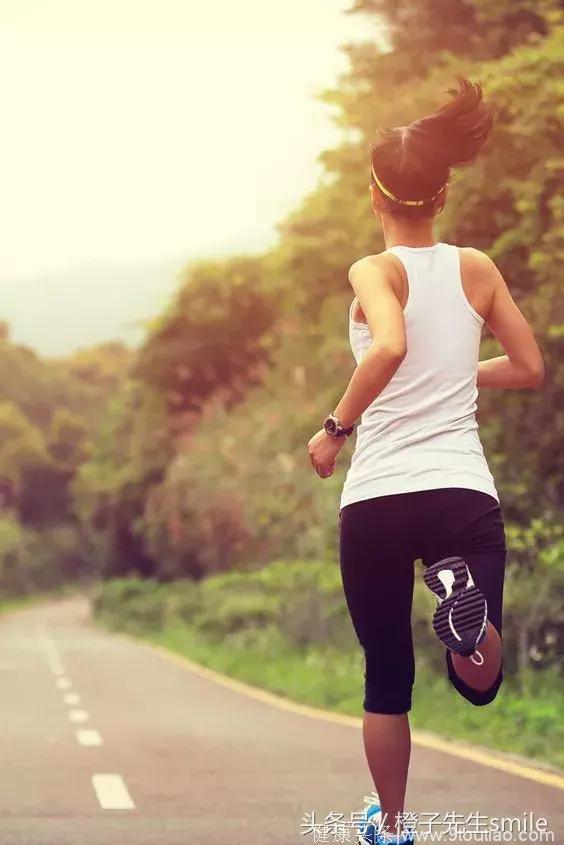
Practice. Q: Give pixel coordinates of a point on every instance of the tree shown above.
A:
(210, 339)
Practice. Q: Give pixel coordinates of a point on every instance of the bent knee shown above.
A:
(478, 697)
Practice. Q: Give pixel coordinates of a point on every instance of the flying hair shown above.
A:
(411, 165)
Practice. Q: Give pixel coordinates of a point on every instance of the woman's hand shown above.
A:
(323, 450)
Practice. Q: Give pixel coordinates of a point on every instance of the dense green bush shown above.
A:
(302, 603)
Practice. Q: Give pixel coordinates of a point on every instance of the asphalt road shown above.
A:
(106, 741)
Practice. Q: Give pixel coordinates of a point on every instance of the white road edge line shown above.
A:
(71, 698)
(89, 737)
(112, 792)
(64, 683)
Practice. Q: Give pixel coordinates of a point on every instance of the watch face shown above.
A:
(330, 425)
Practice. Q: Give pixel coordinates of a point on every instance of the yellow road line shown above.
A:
(477, 755)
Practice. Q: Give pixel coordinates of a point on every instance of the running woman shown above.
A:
(419, 486)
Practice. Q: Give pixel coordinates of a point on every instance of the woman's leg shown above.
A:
(377, 570)
(479, 682)
(470, 524)
(387, 744)
(481, 670)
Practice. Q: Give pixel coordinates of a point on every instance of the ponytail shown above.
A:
(411, 165)
(455, 132)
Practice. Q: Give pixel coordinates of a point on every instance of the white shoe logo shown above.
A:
(446, 577)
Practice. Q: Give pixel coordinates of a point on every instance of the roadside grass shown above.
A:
(285, 628)
(523, 725)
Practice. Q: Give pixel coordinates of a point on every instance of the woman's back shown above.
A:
(421, 432)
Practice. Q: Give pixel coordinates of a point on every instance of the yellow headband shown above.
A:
(389, 194)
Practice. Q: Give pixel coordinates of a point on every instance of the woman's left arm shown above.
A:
(371, 279)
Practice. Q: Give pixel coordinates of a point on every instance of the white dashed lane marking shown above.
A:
(89, 737)
(78, 716)
(110, 789)
(51, 650)
(111, 792)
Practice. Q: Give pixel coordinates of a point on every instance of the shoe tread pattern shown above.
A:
(465, 606)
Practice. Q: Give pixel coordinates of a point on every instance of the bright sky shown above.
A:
(141, 130)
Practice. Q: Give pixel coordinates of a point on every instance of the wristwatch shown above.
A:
(333, 427)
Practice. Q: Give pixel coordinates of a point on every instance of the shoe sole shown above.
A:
(460, 619)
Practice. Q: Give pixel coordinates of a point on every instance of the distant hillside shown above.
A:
(58, 313)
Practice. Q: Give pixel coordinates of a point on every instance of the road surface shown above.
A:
(106, 741)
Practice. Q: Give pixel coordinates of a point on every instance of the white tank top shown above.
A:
(421, 432)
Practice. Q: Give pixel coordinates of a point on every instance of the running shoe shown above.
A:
(406, 837)
(461, 617)
(369, 820)
(370, 823)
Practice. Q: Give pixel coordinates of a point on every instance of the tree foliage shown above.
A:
(210, 337)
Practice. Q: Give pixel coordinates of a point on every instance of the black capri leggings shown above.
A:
(379, 539)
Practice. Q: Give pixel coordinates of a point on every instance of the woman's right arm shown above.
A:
(522, 365)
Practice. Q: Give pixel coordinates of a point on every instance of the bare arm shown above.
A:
(371, 280)
(522, 365)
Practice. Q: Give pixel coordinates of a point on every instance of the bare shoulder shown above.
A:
(476, 264)
(376, 275)
(480, 279)
(380, 263)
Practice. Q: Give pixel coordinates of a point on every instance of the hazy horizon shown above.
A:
(146, 136)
